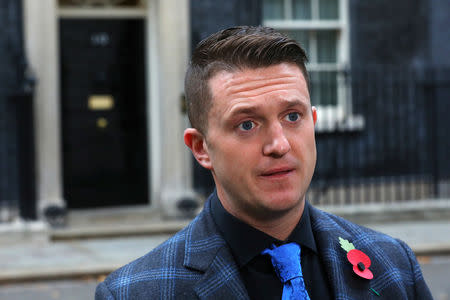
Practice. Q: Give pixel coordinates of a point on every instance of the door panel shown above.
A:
(103, 112)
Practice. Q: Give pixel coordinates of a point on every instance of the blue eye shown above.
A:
(246, 125)
(293, 116)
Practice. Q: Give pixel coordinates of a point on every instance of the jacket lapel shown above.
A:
(206, 251)
(345, 284)
(221, 280)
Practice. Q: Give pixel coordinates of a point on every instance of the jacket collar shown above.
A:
(206, 251)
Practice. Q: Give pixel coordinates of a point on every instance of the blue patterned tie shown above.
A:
(286, 262)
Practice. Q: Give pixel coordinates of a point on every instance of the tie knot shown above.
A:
(285, 260)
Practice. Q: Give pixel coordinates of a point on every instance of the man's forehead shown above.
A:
(255, 82)
(257, 79)
(237, 75)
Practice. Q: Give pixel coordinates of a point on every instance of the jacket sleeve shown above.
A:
(421, 289)
(102, 292)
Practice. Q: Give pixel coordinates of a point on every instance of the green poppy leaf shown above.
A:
(346, 245)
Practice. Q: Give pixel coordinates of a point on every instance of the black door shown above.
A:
(103, 112)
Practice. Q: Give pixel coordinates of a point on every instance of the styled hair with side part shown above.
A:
(230, 50)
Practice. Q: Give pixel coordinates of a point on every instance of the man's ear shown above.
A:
(196, 142)
(314, 114)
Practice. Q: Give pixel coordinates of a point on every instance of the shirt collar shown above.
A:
(246, 242)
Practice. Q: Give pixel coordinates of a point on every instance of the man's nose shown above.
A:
(276, 144)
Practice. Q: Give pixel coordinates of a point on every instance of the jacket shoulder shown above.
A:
(393, 261)
(327, 222)
(159, 271)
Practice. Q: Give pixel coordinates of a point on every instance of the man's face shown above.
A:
(260, 142)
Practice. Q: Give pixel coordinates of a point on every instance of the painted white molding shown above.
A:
(171, 164)
(167, 35)
(41, 32)
(305, 25)
(331, 115)
(106, 13)
(153, 107)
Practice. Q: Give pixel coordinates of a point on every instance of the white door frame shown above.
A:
(167, 57)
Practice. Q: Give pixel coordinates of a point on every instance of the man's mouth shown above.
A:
(279, 172)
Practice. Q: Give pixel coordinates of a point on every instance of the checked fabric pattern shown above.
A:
(286, 262)
(196, 263)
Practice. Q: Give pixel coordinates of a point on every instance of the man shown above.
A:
(253, 128)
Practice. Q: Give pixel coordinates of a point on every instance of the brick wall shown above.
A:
(395, 46)
(400, 67)
(11, 51)
(389, 32)
(440, 49)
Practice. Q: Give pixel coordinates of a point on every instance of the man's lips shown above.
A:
(277, 172)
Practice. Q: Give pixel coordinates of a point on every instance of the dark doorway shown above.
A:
(103, 112)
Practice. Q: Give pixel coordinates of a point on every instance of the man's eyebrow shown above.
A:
(295, 102)
(241, 109)
(250, 109)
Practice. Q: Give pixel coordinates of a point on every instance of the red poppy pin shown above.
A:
(359, 260)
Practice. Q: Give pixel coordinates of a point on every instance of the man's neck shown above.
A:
(277, 225)
(279, 228)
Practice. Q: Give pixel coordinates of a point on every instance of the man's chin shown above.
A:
(279, 206)
(282, 197)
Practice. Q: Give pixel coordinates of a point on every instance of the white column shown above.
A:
(170, 163)
(153, 106)
(40, 35)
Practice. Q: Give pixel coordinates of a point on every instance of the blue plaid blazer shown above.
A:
(196, 263)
